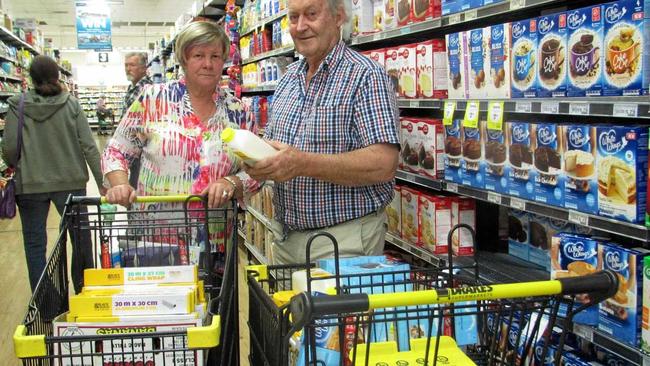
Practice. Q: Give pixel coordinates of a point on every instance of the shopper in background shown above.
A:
(335, 123)
(174, 129)
(57, 145)
(135, 66)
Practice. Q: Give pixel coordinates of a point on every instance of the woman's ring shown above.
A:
(225, 194)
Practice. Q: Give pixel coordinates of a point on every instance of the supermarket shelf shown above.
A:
(269, 223)
(4, 94)
(280, 51)
(264, 22)
(10, 59)
(11, 78)
(415, 250)
(65, 71)
(633, 231)
(602, 339)
(420, 103)
(260, 89)
(252, 249)
(502, 268)
(8, 36)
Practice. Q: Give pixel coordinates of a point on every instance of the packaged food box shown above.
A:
(552, 55)
(180, 301)
(431, 69)
(547, 160)
(585, 52)
(378, 56)
(390, 15)
(140, 275)
(524, 59)
(472, 163)
(410, 229)
(479, 62)
(406, 56)
(518, 234)
(435, 222)
(430, 143)
(362, 16)
(498, 84)
(463, 211)
(457, 83)
(450, 6)
(453, 152)
(394, 212)
(581, 185)
(495, 157)
(404, 13)
(645, 322)
(392, 65)
(520, 159)
(542, 230)
(411, 145)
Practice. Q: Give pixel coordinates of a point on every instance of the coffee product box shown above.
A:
(431, 60)
(472, 164)
(435, 222)
(393, 66)
(620, 315)
(547, 159)
(498, 84)
(453, 152)
(585, 52)
(407, 75)
(581, 185)
(645, 326)
(411, 145)
(626, 43)
(524, 59)
(463, 211)
(432, 138)
(378, 56)
(478, 53)
(551, 55)
(410, 228)
(394, 212)
(495, 158)
(457, 83)
(404, 14)
(621, 166)
(520, 159)
(518, 234)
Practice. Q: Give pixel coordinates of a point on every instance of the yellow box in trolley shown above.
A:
(386, 353)
(140, 275)
(177, 302)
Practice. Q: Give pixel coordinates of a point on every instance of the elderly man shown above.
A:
(135, 65)
(335, 124)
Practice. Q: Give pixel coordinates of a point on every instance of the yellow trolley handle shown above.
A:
(304, 307)
(140, 199)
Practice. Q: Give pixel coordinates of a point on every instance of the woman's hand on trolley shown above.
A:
(121, 194)
(221, 191)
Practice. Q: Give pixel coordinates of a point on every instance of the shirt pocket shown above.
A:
(329, 130)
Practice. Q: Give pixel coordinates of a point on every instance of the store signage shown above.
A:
(103, 57)
(93, 25)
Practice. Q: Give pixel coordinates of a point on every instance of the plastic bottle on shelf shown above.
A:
(248, 146)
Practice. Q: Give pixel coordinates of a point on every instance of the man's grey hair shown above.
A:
(142, 57)
(334, 6)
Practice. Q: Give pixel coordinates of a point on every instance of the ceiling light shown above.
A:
(114, 2)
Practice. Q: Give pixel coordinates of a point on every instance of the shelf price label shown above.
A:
(454, 18)
(578, 218)
(494, 198)
(471, 15)
(625, 110)
(517, 4)
(584, 331)
(524, 107)
(471, 114)
(448, 114)
(495, 116)
(452, 187)
(550, 107)
(414, 104)
(579, 109)
(518, 204)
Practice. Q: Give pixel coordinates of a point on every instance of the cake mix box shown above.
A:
(520, 159)
(378, 56)
(479, 62)
(472, 163)
(394, 212)
(524, 59)
(424, 9)
(470, 4)
(585, 52)
(645, 326)
(581, 185)
(622, 165)
(450, 6)
(453, 152)
(518, 233)
(547, 160)
(626, 43)
(435, 222)
(495, 158)
(390, 15)
(457, 84)
(407, 74)
(620, 315)
(431, 63)
(362, 16)
(551, 55)
(463, 211)
(542, 230)
(393, 66)
(431, 137)
(410, 228)
(498, 84)
(411, 145)
(379, 14)
(404, 14)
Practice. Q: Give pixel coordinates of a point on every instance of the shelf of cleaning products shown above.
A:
(277, 52)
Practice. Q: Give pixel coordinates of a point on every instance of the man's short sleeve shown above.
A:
(376, 113)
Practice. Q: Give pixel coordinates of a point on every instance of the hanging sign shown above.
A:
(93, 25)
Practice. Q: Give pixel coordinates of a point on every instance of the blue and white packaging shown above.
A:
(626, 48)
(453, 152)
(495, 158)
(479, 63)
(547, 159)
(499, 41)
(581, 184)
(620, 315)
(622, 166)
(551, 55)
(450, 6)
(574, 256)
(523, 77)
(542, 230)
(457, 82)
(585, 51)
(472, 164)
(465, 326)
(520, 159)
(518, 234)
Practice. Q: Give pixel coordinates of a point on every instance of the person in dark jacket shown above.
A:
(57, 145)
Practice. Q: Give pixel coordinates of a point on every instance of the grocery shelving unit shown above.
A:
(88, 99)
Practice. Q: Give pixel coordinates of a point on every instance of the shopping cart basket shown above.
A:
(168, 230)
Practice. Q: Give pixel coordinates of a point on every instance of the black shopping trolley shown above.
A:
(105, 121)
(159, 231)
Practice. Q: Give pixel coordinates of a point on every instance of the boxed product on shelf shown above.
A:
(394, 212)
(463, 211)
(585, 52)
(581, 185)
(431, 69)
(518, 233)
(547, 160)
(378, 15)
(457, 83)
(496, 154)
(573, 256)
(521, 145)
(425, 9)
(410, 229)
(449, 6)
(645, 326)
(499, 43)
(453, 152)
(622, 165)
(472, 164)
(378, 56)
(390, 15)
(435, 222)
(541, 232)
(406, 55)
(620, 315)
(410, 144)
(479, 62)
(627, 62)
(403, 12)
(392, 64)
(524, 59)
(552, 55)
(430, 147)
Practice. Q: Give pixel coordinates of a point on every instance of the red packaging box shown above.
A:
(434, 222)
(463, 211)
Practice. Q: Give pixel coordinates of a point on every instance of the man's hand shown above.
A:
(281, 167)
(121, 194)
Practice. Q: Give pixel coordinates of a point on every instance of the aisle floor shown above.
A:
(15, 283)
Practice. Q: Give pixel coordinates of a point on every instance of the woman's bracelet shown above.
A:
(231, 181)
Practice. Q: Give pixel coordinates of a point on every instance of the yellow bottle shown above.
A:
(248, 146)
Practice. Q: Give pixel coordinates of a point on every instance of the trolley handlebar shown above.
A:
(304, 307)
(139, 199)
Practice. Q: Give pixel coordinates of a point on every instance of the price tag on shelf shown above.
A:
(495, 116)
(494, 198)
(452, 187)
(454, 18)
(579, 109)
(625, 110)
(578, 218)
(550, 107)
(517, 4)
(524, 107)
(471, 114)
(517, 204)
(414, 104)
(584, 331)
(448, 114)
(471, 15)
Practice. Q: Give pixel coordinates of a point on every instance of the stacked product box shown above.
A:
(524, 59)
(581, 185)
(463, 211)
(453, 152)
(430, 148)
(394, 212)
(435, 218)
(542, 230)
(472, 163)
(495, 158)
(457, 83)
(392, 65)
(431, 69)
(520, 159)
(410, 214)
(406, 58)
(645, 326)
(547, 161)
(518, 233)
(585, 52)
(479, 62)
(499, 43)
(551, 55)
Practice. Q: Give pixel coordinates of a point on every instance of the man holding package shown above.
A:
(335, 124)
